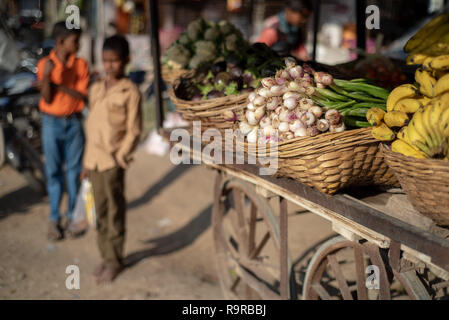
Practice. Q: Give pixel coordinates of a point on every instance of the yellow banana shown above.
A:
(408, 105)
(426, 31)
(383, 133)
(431, 117)
(402, 92)
(417, 58)
(396, 119)
(444, 117)
(416, 138)
(439, 63)
(407, 150)
(426, 82)
(430, 44)
(375, 116)
(424, 100)
(442, 85)
(426, 63)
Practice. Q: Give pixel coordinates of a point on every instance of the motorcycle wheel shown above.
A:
(2, 147)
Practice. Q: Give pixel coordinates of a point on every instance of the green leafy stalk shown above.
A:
(367, 88)
(355, 123)
(331, 95)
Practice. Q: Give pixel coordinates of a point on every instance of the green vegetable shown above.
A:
(369, 105)
(356, 123)
(331, 95)
(232, 89)
(356, 112)
(367, 88)
(205, 89)
(362, 97)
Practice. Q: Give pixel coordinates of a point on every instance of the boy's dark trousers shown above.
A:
(110, 207)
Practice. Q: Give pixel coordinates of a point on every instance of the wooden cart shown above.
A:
(385, 249)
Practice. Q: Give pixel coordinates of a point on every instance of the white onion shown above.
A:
(308, 118)
(317, 111)
(273, 103)
(264, 92)
(312, 131)
(320, 85)
(268, 82)
(301, 132)
(284, 116)
(265, 122)
(251, 117)
(294, 86)
(296, 125)
(333, 117)
(322, 125)
(278, 110)
(291, 94)
(337, 128)
(251, 106)
(245, 128)
(275, 122)
(284, 127)
(229, 116)
(259, 113)
(310, 91)
(304, 104)
(259, 101)
(291, 103)
(278, 90)
(252, 96)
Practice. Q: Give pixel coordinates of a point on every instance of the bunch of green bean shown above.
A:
(352, 99)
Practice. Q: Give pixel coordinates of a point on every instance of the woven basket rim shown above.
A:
(399, 156)
(334, 137)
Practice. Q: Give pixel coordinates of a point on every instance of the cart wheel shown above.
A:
(337, 271)
(247, 242)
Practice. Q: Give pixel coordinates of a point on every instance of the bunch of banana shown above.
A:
(430, 41)
(428, 131)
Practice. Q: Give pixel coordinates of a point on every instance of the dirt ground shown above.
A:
(169, 240)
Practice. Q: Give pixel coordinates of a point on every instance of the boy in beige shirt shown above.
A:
(113, 130)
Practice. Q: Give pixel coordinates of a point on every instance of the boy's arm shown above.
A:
(133, 130)
(46, 86)
(80, 91)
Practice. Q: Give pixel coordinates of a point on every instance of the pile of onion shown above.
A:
(280, 110)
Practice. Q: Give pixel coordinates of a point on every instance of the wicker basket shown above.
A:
(210, 112)
(170, 75)
(332, 161)
(425, 181)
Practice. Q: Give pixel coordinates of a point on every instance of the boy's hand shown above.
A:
(84, 174)
(48, 68)
(121, 162)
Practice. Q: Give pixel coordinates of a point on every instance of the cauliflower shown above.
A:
(194, 29)
(231, 42)
(212, 34)
(179, 54)
(206, 50)
(225, 27)
(184, 39)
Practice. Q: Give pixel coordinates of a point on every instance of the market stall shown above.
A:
(334, 139)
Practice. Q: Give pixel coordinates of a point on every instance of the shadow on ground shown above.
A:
(154, 190)
(18, 201)
(175, 241)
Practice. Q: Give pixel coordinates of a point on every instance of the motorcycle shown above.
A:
(20, 128)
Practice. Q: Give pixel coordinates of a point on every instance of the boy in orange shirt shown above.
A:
(63, 80)
(113, 129)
